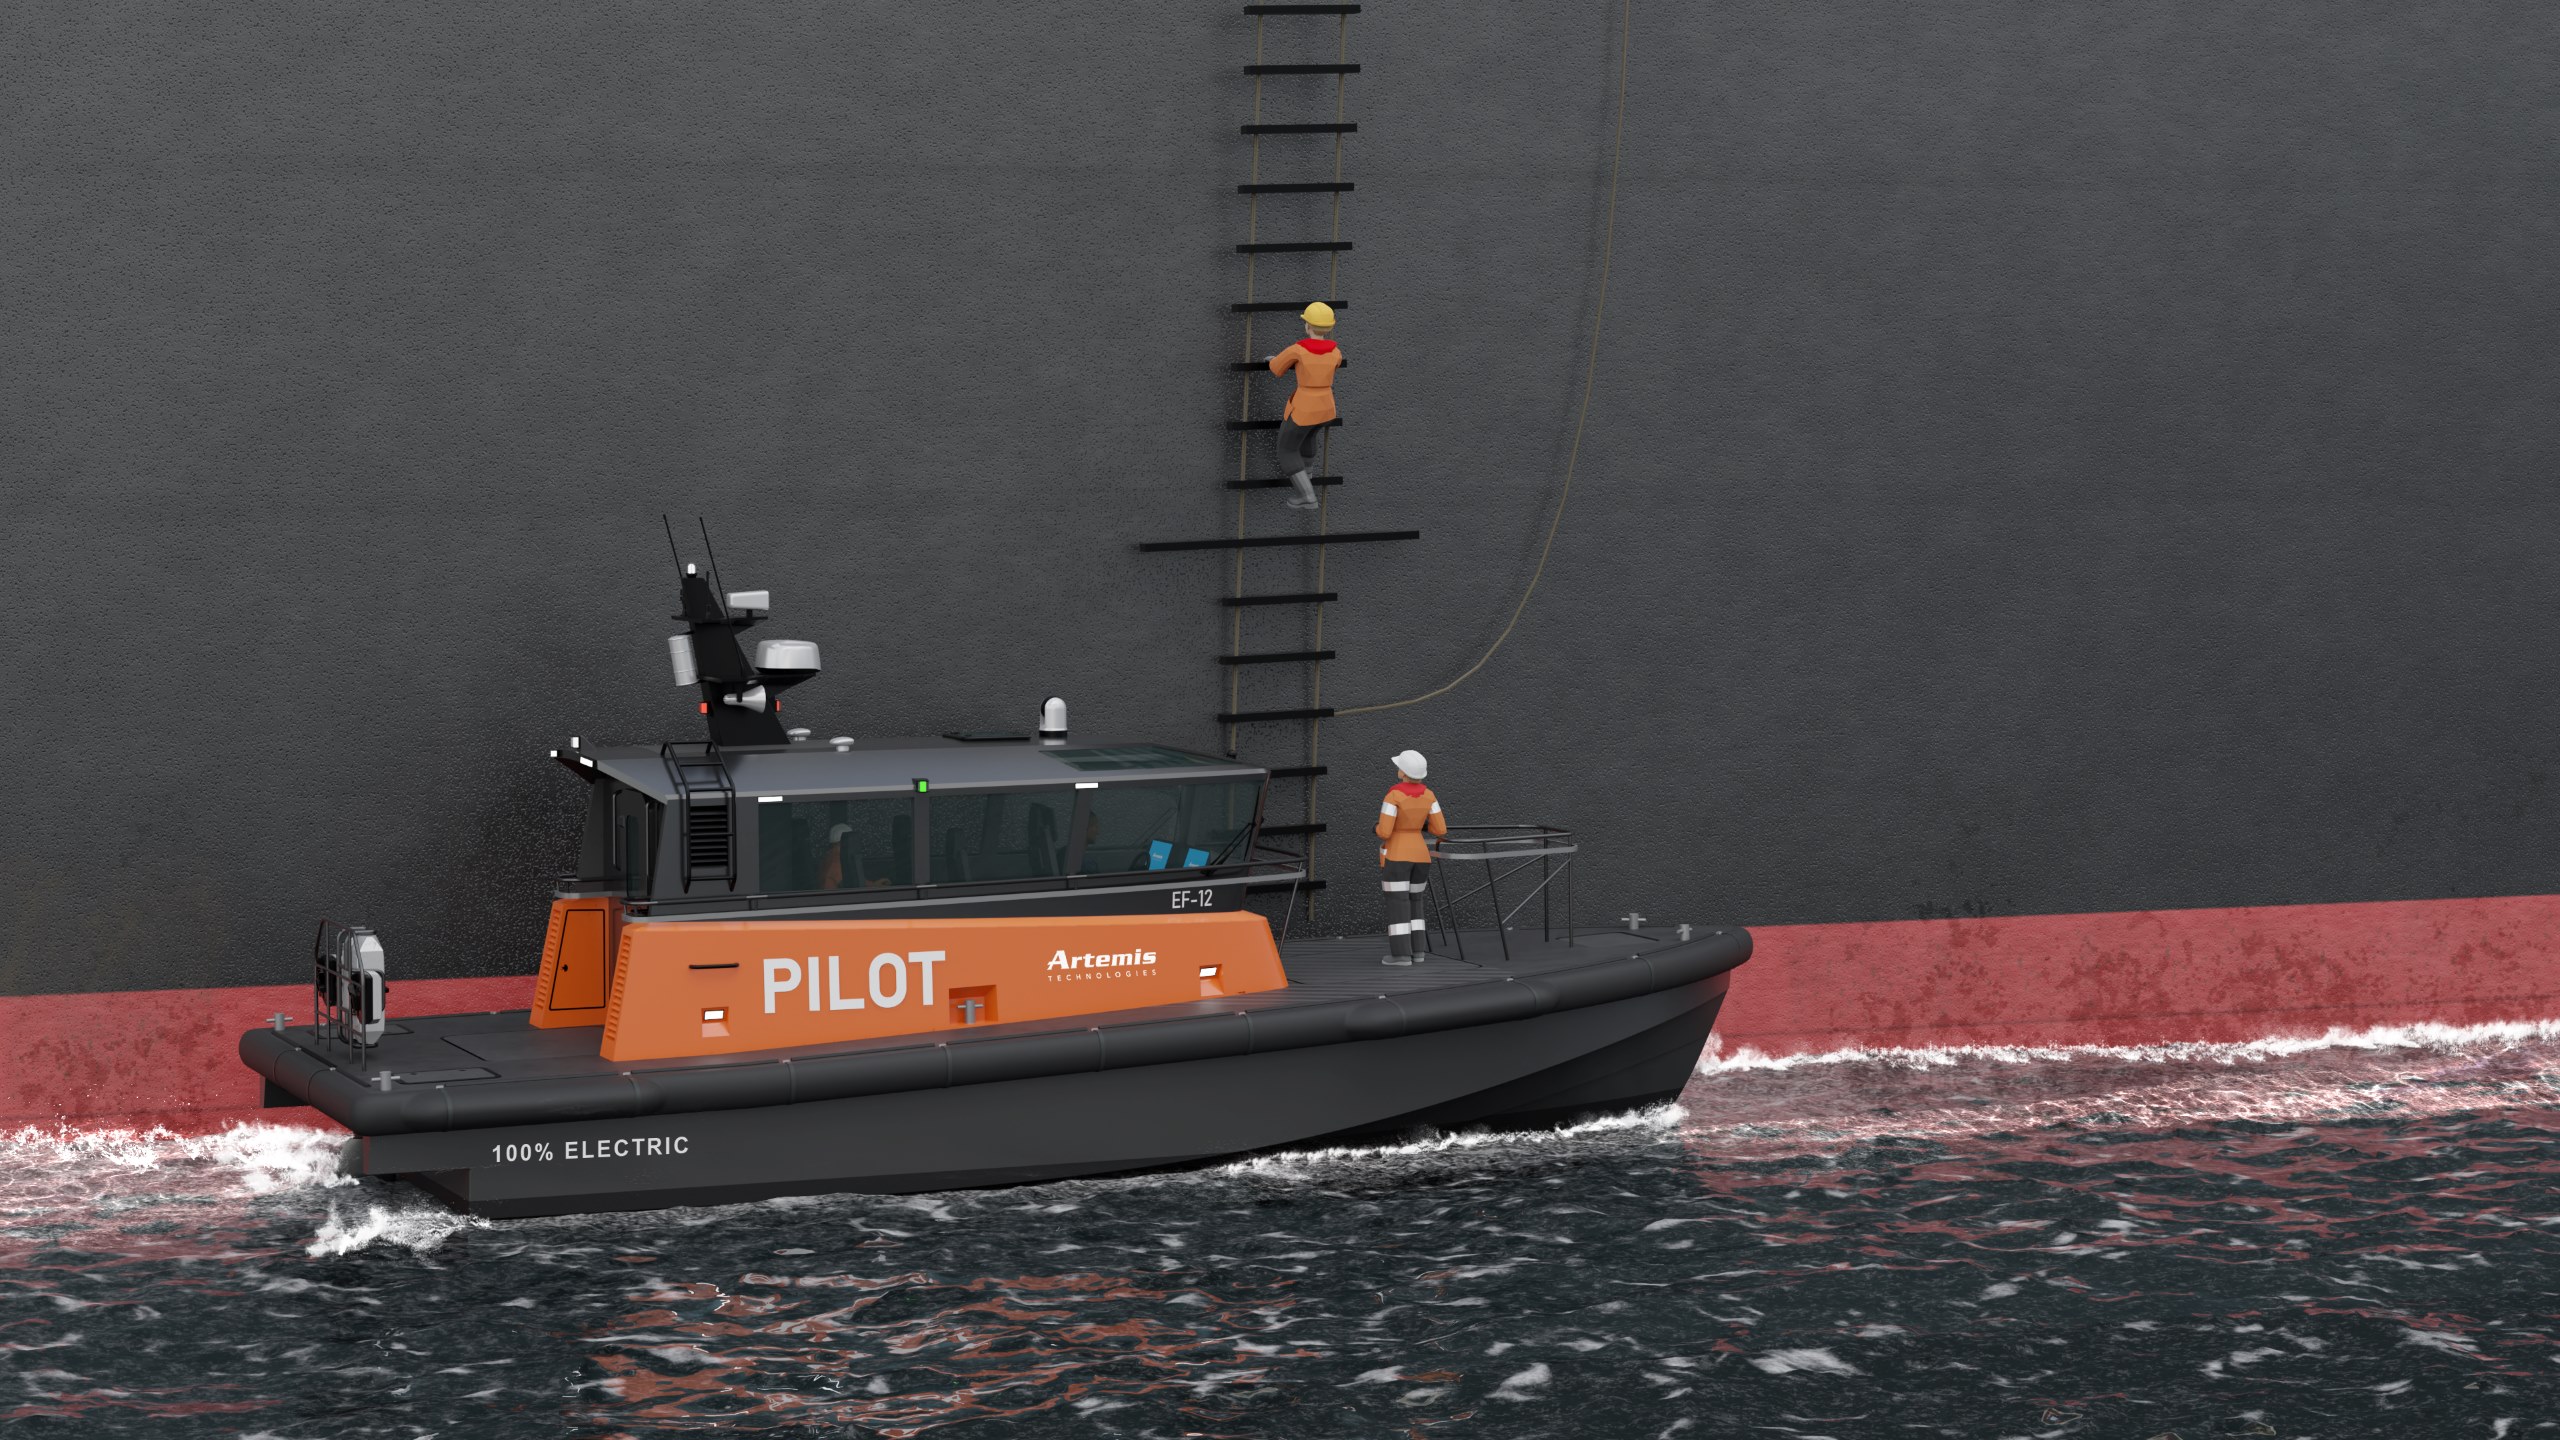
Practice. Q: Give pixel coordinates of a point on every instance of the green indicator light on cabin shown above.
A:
(922, 786)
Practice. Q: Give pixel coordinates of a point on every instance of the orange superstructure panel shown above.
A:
(577, 962)
(712, 987)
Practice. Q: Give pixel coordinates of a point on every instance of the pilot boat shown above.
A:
(790, 966)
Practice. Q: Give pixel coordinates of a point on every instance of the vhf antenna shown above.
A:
(672, 553)
(718, 586)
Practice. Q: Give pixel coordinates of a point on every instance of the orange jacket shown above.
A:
(1408, 810)
(1315, 361)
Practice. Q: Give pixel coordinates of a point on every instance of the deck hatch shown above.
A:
(441, 1077)
(501, 1047)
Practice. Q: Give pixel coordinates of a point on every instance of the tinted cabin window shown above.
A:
(847, 844)
(999, 835)
(1169, 827)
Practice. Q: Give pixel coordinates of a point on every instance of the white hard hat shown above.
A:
(1412, 763)
(838, 833)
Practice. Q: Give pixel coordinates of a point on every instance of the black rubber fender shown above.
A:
(838, 1077)
(1296, 1029)
(1170, 1042)
(1025, 1057)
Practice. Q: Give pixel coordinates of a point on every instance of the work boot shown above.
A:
(1305, 499)
(1396, 960)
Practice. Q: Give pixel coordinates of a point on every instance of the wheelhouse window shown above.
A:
(865, 843)
(1173, 826)
(999, 834)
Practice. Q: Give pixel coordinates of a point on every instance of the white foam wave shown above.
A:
(1811, 1362)
(1748, 1100)
(418, 1225)
(250, 1157)
(1294, 1164)
(2420, 1036)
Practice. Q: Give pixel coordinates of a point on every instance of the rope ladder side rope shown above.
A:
(1590, 369)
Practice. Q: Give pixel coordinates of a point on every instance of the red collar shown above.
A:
(1316, 347)
(1410, 787)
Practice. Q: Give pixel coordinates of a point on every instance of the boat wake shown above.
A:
(1742, 1106)
(67, 1162)
(1750, 1103)
(59, 1180)
(412, 1222)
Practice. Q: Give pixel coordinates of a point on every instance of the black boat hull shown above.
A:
(1543, 1069)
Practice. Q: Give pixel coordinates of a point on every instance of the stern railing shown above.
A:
(1506, 852)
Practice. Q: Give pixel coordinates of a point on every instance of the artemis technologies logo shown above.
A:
(1116, 965)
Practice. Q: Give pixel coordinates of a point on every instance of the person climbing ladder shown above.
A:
(1310, 406)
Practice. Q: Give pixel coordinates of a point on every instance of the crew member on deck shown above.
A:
(1409, 824)
(1310, 406)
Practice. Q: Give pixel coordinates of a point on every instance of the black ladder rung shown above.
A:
(1306, 597)
(1274, 542)
(1302, 9)
(1260, 886)
(1297, 772)
(1276, 657)
(1274, 424)
(1316, 127)
(1264, 365)
(1298, 187)
(1280, 483)
(1273, 307)
(1325, 69)
(1247, 717)
(1314, 828)
(1290, 247)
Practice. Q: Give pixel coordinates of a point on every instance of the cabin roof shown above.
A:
(817, 768)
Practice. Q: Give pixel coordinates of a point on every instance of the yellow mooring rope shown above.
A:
(1590, 367)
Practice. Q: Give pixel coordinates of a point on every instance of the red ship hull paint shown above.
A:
(2141, 977)
(166, 1056)
(2145, 977)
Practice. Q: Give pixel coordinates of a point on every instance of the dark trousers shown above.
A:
(1298, 445)
(1405, 883)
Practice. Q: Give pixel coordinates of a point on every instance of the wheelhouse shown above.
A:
(698, 830)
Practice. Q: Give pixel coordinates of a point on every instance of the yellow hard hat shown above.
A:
(1319, 314)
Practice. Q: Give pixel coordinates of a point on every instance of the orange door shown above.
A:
(577, 962)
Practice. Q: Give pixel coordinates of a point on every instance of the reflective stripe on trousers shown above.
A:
(1404, 886)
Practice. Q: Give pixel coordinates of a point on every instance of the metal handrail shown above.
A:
(1514, 835)
(1515, 847)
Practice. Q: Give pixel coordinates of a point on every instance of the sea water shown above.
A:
(2357, 1236)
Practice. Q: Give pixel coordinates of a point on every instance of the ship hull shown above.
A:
(1546, 1070)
